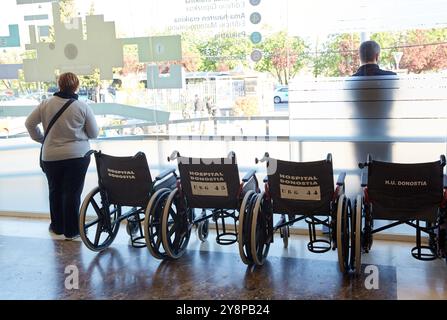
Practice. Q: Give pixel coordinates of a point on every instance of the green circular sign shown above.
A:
(256, 37)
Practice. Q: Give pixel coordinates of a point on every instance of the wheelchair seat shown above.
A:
(126, 181)
(300, 191)
(301, 187)
(405, 191)
(210, 183)
(125, 191)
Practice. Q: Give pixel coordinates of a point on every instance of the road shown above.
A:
(281, 107)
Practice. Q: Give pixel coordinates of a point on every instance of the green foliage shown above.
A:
(192, 58)
(68, 9)
(224, 54)
(283, 56)
(338, 56)
(389, 42)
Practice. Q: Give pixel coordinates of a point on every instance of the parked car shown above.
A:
(281, 94)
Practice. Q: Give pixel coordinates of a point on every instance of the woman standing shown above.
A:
(63, 152)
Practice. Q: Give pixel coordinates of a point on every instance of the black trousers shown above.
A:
(65, 182)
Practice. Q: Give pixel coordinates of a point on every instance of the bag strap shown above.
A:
(56, 116)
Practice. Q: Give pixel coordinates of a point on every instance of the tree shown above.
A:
(192, 59)
(389, 43)
(338, 56)
(283, 56)
(426, 50)
(131, 64)
(224, 54)
(68, 9)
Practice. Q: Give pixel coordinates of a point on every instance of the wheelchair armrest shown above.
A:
(249, 175)
(266, 179)
(364, 179)
(341, 179)
(164, 174)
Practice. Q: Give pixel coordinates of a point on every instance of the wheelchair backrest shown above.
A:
(300, 187)
(210, 183)
(126, 180)
(405, 187)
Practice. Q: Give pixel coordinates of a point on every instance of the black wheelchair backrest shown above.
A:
(307, 187)
(209, 182)
(126, 180)
(405, 187)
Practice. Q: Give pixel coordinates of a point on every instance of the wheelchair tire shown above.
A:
(179, 227)
(342, 233)
(203, 230)
(285, 234)
(259, 245)
(110, 226)
(243, 228)
(152, 221)
(356, 245)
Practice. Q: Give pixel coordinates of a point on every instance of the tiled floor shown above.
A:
(33, 267)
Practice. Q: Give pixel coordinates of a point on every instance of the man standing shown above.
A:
(369, 57)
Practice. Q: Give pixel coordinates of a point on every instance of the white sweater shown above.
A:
(68, 138)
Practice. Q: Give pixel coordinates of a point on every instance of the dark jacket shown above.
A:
(372, 70)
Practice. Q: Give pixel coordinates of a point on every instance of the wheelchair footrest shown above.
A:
(138, 242)
(227, 238)
(424, 253)
(319, 246)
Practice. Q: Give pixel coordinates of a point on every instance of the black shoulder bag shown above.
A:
(50, 125)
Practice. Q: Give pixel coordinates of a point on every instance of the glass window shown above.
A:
(209, 77)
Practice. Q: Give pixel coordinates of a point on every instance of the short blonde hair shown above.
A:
(68, 82)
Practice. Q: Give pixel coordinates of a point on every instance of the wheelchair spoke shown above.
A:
(172, 230)
(158, 243)
(98, 234)
(96, 207)
(90, 224)
(177, 241)
(172, 213)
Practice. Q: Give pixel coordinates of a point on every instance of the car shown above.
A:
(281, 94)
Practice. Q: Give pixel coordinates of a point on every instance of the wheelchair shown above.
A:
(409, 194)
(212, 187)
(125, 191)
(299, 191)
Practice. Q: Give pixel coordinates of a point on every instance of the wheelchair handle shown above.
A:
(263, 159)
(174, 155)
(89, 153)
(443, 161)
(362, 165)
(139, 154)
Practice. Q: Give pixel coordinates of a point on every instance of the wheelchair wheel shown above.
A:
(203, 230)
(342, 232)
(284, 232)
(244, 225)
(175, 226)
(260, 243)
(356, 236)
(98, 224)
(152, 218)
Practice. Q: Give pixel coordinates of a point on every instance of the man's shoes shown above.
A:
(71, 238)
(50, 229)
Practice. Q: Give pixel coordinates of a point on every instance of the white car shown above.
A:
(281, 95)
